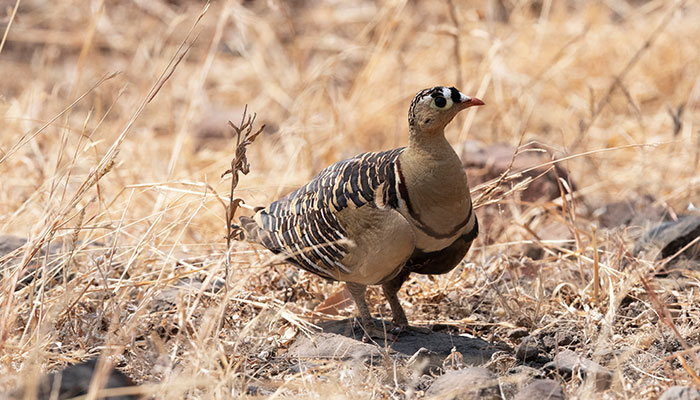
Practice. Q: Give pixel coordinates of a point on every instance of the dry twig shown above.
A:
(239, 164)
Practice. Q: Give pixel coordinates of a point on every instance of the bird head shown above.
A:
(432, 109)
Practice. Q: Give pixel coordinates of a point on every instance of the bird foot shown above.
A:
(371, 332)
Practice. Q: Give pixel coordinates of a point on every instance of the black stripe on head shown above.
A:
(454, 95)
(437, 91)
(412, 108)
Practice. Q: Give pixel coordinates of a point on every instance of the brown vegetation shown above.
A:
(114, 137)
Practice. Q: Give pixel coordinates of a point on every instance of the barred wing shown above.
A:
(304, 225)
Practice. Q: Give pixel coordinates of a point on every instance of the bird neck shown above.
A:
(430, 165)
(429, 145)
(436, 193)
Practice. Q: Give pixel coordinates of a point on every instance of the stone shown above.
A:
(680, 393)
(670, 237)
(525, 372)
(425, 361)
(168, 297)
(257, 391)
(466, 384)
(486, 162)
(332, 346)
(75, 381)
(565, 338)
(528, 349)
(637, 211)
(516, 378)
(541, 389)
(518, 333)
(10, 243)
(567, 363)
(342, 338)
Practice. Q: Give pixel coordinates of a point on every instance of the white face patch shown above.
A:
(446, 93)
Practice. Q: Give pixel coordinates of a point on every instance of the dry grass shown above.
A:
(122, 174)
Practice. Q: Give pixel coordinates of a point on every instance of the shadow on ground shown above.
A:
(339, 340)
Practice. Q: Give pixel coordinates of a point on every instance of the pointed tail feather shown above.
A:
(249, 230)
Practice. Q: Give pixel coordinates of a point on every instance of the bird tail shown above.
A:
(248, 230)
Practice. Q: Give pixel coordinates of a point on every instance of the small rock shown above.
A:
(473, 351)
(564, 338)
(423, 383)
(567, 363)
(548, 343)
(525, 373)
(670, 237)
(75, 381)
(486, 162)
(528, 349)
(466, 384)
(518, 333)
(425, 361)
(635, 211)
(516, 378)
(541, 389)
(167, 298)
(253, 390)
(329, 345)
(528, 171)
(501, 361)
(300, 366)
(680, 393)
(10, 243)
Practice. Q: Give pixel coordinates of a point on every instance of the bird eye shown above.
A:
(441, 103)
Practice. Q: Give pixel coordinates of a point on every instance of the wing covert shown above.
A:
(304, 226)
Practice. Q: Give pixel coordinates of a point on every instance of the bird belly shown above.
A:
(382, 242)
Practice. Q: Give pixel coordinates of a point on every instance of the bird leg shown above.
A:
(358, 294)
(391, 290)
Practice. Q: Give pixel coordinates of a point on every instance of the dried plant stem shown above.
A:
(106, 163)
(620, 76)
(457, 43)
(665, 317)
(24, 139)
(9, 25)
(596, 266)
(239, 164)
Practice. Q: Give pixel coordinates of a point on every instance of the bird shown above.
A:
(378, 217)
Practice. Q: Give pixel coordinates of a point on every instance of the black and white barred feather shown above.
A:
(304, 225)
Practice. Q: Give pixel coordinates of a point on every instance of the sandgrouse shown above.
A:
(377, 217)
